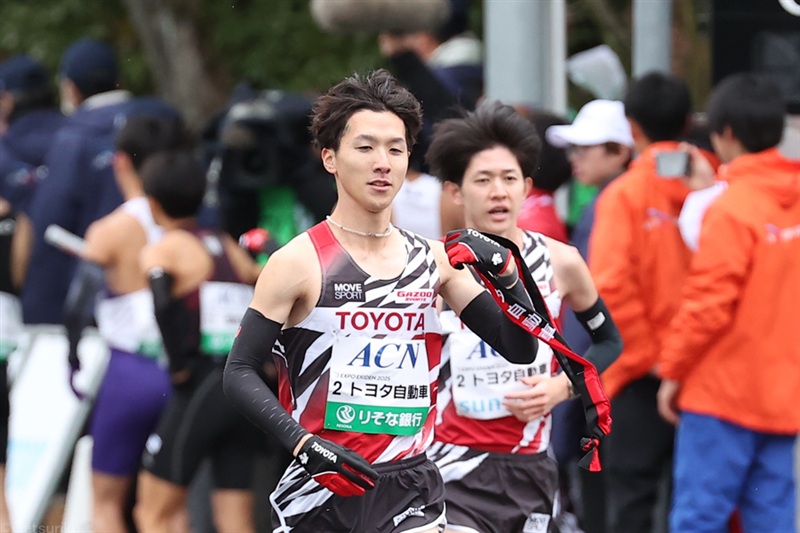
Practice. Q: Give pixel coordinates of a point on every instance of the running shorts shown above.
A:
(408, 498)
(200, 422)
(496, 492)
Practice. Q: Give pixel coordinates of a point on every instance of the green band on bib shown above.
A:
(382, 420)
(6, 347)
(216, 344)
(151, 350)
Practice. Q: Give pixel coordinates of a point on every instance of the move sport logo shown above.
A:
(353, 292)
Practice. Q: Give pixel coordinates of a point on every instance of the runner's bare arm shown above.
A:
(246, 269)
(574, 282)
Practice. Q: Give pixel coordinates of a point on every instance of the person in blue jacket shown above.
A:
(29, 121)
(80, 187)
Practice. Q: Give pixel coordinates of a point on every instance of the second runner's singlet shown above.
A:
(361, 370)
(475, 378)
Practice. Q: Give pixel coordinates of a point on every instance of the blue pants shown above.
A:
(720, 467)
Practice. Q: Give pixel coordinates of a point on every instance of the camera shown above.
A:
(673, 164)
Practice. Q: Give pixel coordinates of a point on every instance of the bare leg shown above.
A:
(110, 494)
(5, 519)
(158, 505)
(233, 510)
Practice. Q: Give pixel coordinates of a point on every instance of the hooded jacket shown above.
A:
(79, 189)
(638, 261)
(735, 342)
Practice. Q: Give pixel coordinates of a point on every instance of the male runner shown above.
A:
(494, 419)
(201, 284)
(349, 307)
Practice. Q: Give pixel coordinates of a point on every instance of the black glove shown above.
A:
(338, 469)
(471, 247)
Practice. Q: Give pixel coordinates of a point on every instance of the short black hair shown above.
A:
(142, 136)
(175, 179)
(752, 106)
(457, 140)
(554, 166)
(660, 104)
(377, 91)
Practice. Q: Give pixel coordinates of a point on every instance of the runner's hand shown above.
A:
(471, 247)
(338, 469)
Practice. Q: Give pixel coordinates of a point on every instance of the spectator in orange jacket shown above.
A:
(638, 262)
(731, 356)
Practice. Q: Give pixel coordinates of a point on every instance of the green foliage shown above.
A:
(44, 28)
(277, 44)
(273, 43)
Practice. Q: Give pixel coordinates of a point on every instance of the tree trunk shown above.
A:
(180, 68)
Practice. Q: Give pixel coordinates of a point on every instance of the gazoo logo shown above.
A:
(391, 355)
(348, 291)
(407, 297)
(382, 320)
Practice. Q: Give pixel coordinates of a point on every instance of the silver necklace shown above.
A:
(362, 233)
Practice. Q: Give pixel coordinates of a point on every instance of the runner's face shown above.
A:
(492, 191)
(371, 161)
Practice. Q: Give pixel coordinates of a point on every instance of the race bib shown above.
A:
(481, 377)
(10, 324)
(128, 323)
(379, 386)
(222, 305)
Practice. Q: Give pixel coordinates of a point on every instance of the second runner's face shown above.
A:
(372, 159)
(493, 190)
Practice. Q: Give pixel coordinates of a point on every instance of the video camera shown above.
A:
(260, 143)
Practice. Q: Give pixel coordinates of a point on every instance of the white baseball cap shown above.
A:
(598, 122)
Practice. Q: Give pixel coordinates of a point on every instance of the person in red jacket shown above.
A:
(730, 358)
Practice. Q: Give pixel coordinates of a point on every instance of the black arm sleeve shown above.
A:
(606, 340)
(244, 386)
(487, 321)
(173, 320)
(79, 304)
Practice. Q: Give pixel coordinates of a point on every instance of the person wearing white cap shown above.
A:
(599, 146)
(599, 141)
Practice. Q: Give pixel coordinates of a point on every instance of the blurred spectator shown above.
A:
(451, 53)
(80, 187)
(599, 144)
(638, 261)
(538, 211)
(29, 122)
(730, 356)
(14, 249)
(417, 205)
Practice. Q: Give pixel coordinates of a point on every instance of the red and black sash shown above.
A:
(539, 323)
